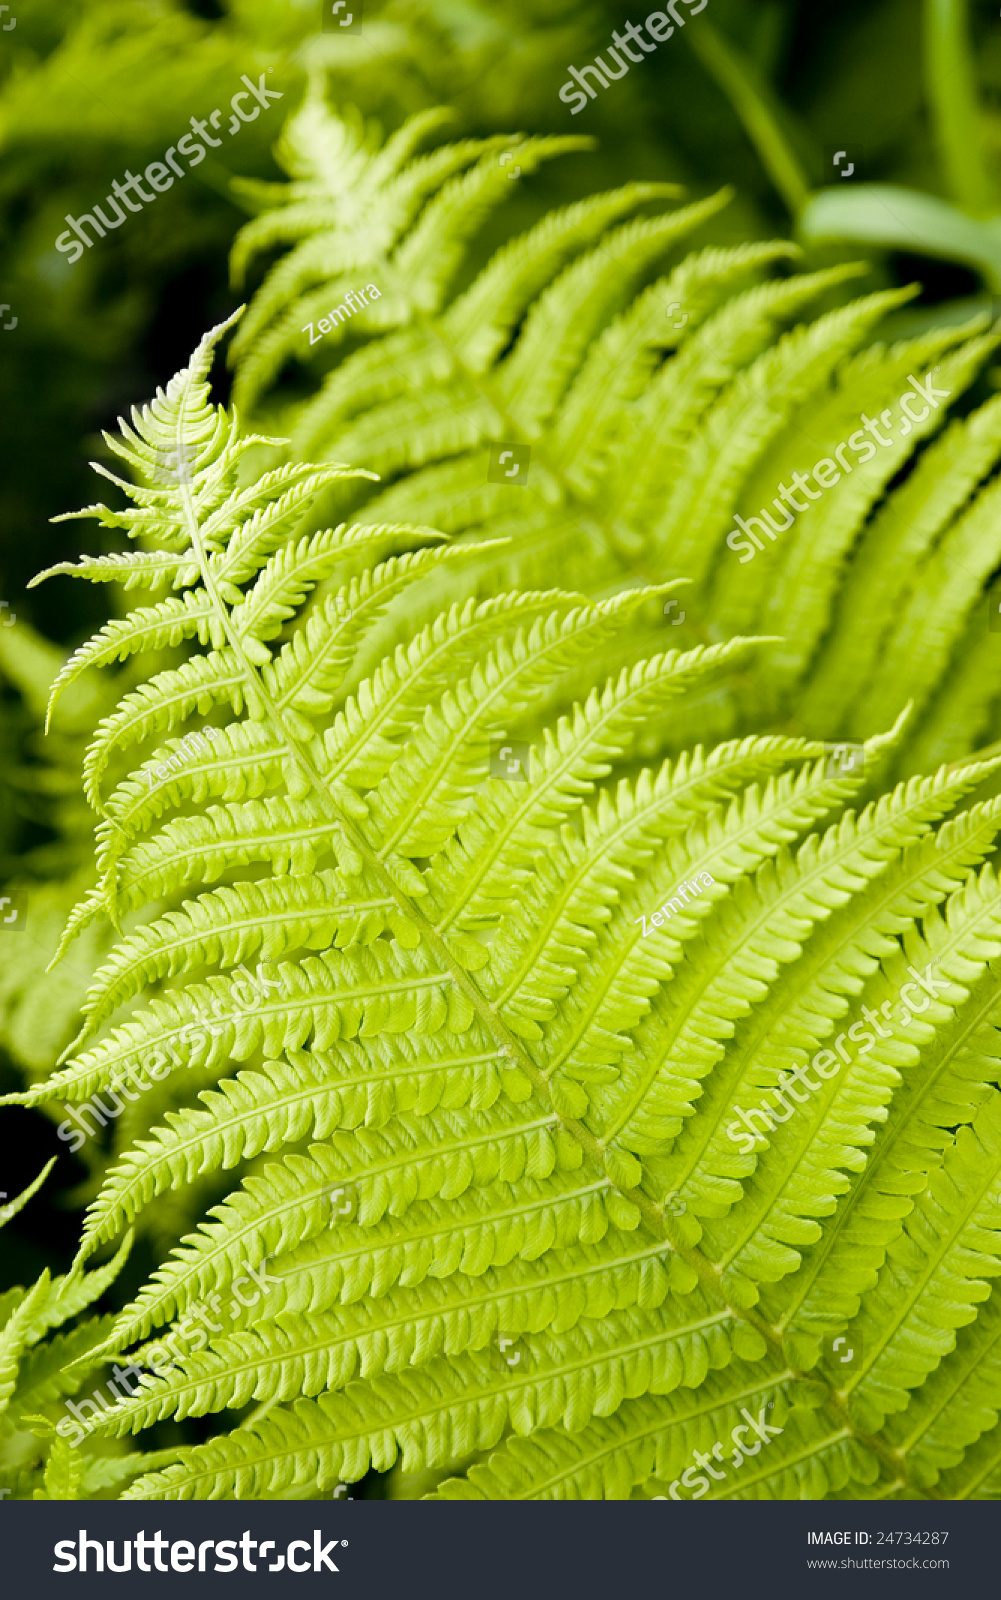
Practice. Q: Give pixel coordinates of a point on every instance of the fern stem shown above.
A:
(758, 112)
(953, 102)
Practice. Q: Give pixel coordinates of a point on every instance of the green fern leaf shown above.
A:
(527, 1050)
(660, 401)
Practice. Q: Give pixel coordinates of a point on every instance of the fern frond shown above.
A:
(664, 404)
(522, 1041)
(21, 1200)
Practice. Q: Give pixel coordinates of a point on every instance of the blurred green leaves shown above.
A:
(966, 228)
(890, 217)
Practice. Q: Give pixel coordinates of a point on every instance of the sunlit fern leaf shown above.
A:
(660, 400)
(507, 1044)
(56, 1368)
(418, 210)
(648, 1442)
(38, 1373)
